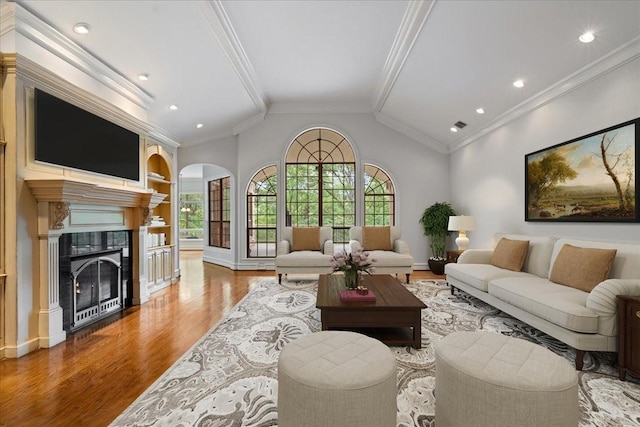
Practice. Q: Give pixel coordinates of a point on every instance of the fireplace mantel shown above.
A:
(67, 206)
(70, 191)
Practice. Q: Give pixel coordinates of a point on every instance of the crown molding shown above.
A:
(7, 17)
(625, 53)
(160, 135)
(44, 79)
(209, 138)
(39, 32)
(314, 108)
(414, 18)
(250, 122)
(411, 133)
(223, 29)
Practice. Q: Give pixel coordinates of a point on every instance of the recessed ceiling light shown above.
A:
(587, 37)
(480, 110)
(173, 107)
(454, 129)
(144, 77)
(81, 28)
(518, 83)
(199, 125)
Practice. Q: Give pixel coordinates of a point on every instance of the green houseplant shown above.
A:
(435, 222)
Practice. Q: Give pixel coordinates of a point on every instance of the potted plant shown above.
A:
(435, 222)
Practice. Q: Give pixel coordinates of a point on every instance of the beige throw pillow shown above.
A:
(510, 254)
(582, 268)
(306, 238)
(376, 238)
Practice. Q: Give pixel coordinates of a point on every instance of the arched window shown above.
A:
(261, 214)
(320, 182)
(379, 197)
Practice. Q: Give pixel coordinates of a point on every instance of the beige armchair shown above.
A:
(304, 250)
(391, 255)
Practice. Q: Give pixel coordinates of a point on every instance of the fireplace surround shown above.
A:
(68, 206)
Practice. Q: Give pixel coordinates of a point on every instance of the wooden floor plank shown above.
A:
(98, 371)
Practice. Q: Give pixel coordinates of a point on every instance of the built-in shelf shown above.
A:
(160, 257)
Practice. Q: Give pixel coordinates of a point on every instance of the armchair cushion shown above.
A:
(376, 238)
(306, 239)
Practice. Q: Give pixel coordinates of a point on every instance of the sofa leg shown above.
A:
(279, 279)
(408, 278)
(453, 289)
(579, 359)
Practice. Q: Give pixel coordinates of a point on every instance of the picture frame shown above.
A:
(592, 178)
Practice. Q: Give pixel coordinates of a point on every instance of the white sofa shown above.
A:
(395, 261)
(586, 321)
(305, 261)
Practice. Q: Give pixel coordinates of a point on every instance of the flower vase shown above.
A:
(351, 279)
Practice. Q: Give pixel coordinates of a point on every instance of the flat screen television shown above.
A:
(66, 135)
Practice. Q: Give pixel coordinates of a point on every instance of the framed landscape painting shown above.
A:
(592, 178)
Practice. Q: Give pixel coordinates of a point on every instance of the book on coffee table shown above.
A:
(348, 295)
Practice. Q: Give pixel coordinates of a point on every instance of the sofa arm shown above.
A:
(602, 301)
(401, 247)
(328, 248)
(283, 248)
(355, 245)
(475, 256)
(602, 298)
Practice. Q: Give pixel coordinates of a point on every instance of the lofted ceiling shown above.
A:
(417, 66)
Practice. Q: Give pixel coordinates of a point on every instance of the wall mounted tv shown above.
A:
(66, 135)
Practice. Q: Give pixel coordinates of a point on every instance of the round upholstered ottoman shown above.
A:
(336, 378)
(488, 379)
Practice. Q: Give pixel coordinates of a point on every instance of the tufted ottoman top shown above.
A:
(337, 360)
(507, 362)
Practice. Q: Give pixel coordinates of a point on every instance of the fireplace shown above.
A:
(95, 276)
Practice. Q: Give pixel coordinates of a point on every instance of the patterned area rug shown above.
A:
(229, 378)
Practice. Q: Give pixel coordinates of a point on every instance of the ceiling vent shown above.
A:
(460, 125)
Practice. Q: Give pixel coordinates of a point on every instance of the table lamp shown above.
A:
(462, 224)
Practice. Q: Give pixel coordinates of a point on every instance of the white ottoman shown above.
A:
(488, 379)
(337, 378)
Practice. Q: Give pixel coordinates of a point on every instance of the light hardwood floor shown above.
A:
(98, 371)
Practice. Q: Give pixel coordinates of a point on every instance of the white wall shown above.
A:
(487, 176)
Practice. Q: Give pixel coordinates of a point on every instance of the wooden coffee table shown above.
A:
(394, 317)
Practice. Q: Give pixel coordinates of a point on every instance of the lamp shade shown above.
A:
(462, 222)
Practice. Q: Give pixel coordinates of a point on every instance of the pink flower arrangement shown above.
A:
(354, 261)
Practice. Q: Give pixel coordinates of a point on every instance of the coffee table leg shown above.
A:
(417, 333)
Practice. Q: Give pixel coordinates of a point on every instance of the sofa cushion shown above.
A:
(390, 259)
(538, 255)
(510, 254)
(306, 239)
(582, 268)
(561, 305)
(304, 259)
(376, 238)
(479, 275)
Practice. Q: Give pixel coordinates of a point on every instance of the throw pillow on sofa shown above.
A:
(376, 238)
(306, 238)
(582, 268)
(510, 254)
